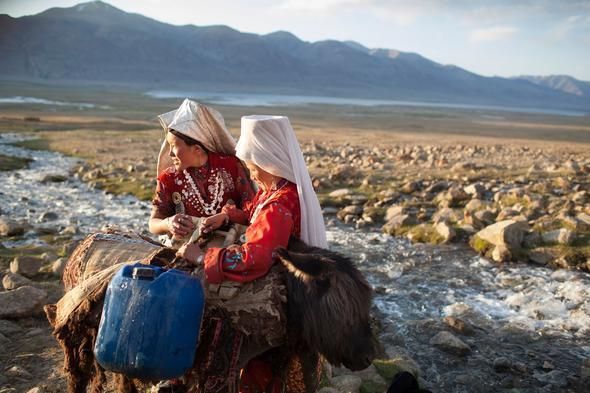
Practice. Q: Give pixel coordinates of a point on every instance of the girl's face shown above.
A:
(260, 176)
(183, 155)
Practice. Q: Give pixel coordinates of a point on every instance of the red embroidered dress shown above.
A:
(274, 216)
(204, 190)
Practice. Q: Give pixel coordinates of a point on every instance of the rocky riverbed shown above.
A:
(460, 321)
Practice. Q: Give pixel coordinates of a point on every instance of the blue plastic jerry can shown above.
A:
(150, 322)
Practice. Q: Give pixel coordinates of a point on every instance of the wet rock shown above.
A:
(556, 378)
(354, 210)
(4, 340)
(458, 325)
(48, 216)
(585, 370)
(10, 227)
(449, 343)
(502, 364)
(26, 265)
(559, 236)
(53, 178)
(12, 281)
(347, 383)
(22, 302)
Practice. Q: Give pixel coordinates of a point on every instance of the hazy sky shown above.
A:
(503, 37)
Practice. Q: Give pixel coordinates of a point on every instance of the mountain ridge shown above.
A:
(96, 42)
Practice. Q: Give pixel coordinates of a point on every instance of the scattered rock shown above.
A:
(458, 325)
(10, 227)
(445, 231)
(502, 364)
(559, 236)
(26, 265)
(58, 266)
(22, 302)
(449, 343)
(12, 281)
(48, 216)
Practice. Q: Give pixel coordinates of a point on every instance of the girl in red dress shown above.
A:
(285, 205)
(197, 169)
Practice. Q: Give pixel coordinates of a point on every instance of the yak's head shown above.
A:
(328, 305)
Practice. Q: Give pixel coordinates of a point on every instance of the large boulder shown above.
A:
(509, 233)
(22, 302)
(26, 265)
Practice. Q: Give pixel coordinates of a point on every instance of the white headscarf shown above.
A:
(199, 122)
(270, 143)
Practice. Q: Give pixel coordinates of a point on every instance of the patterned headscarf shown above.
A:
(270, 143)
(199, 122)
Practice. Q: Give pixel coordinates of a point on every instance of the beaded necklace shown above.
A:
(194, 196)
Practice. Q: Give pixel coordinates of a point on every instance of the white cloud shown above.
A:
(492, 34)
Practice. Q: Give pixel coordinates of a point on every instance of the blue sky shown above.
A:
(505, 38)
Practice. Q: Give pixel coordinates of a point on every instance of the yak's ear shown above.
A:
(303, 266)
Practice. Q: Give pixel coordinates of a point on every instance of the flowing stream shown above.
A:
(528, 327)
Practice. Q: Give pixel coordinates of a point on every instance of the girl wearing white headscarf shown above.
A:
(285, 206)
(198, 172)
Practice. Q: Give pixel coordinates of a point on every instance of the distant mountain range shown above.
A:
(95, 42)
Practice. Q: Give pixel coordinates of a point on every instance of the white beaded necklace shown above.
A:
(194, 196)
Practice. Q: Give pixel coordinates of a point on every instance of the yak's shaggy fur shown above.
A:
(328, 303)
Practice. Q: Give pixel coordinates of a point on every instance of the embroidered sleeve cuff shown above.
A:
(213, 271)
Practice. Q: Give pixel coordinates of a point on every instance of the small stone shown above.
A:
(502, 364)
(458, 325)
(13, 280)
(48, 216)
(340, 193)
(18, 371)
(449, 343)
(26, 265)
(58, 266)
(548, 365)
(10, 227)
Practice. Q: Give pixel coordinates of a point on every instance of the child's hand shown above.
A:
(212, 223)
(180, 225)
(192, 253)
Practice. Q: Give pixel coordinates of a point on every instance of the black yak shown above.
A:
(328, 304)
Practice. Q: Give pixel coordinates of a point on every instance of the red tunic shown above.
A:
(274, 217)
(205, 190)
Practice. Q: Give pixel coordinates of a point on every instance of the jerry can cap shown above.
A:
(143, 273)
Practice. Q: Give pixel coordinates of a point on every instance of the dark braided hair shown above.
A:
(188, 140)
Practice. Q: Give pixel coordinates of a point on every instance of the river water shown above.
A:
(529, 326)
